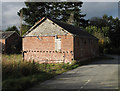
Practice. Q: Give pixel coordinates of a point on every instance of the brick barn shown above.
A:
(10, 42)
(52, 41)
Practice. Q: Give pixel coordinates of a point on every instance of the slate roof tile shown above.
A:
(70, 28)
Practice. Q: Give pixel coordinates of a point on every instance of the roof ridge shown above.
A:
(64, 23)
(7, 31)
(56, 21)
(10, 31)
(6, 34)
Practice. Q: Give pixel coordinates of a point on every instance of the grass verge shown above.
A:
(18, 75)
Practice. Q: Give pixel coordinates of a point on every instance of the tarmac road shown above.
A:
(97, 75)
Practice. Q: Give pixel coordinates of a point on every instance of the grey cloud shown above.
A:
(10, 9)
(9, 13)
(100, 8)
(12, 0)
(0, 16)
(100, 0)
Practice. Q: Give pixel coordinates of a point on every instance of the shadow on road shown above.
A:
(115, 59)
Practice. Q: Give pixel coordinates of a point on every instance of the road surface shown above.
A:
(97, 75)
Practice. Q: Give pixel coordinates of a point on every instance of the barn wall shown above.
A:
(13, 44)
(42, 49)
(85, 48)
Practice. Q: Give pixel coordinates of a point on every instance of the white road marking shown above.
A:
(85, 83)
(81, 87)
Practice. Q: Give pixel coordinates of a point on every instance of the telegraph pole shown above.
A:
(21, 19)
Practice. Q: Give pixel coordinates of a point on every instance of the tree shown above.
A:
(61, 11)
(98, 21)
(109, 29)
(13, 28)
(24, 28)
(101, 34)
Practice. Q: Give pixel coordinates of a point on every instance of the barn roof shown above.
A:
(69, 28)
(73, 29)
(6, 34)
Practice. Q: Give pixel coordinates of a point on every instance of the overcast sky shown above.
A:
(92, 9)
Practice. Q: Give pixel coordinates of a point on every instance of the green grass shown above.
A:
(17, 75)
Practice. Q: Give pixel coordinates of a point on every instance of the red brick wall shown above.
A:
(2, 45)
(44, 49)
(71, 48)
(2, 41)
